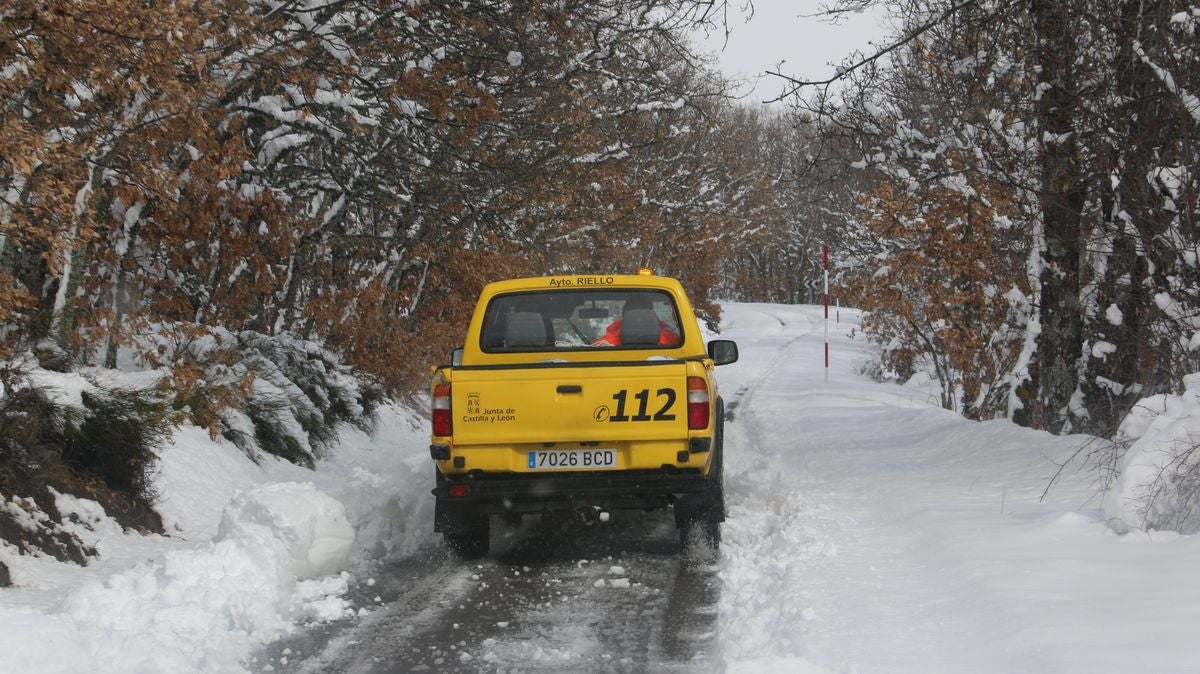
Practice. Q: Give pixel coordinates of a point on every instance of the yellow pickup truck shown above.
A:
(579, 393)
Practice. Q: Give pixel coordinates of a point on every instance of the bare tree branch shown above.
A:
(843, 71)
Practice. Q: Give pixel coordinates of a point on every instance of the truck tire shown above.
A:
(699, 517)
(467, 536)
(701, 529)
(464, 531)
(717, 490)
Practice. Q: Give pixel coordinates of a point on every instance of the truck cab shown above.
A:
(579, 393)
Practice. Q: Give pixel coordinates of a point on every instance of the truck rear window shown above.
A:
(572, 320)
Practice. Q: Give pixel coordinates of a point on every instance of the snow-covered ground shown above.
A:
(872, 531)
(869, 531)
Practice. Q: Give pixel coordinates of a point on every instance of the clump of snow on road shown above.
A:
(311, 524)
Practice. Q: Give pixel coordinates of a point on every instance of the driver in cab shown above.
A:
(638, 325)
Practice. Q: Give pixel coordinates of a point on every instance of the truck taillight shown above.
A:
(443, 420)
(697, 403)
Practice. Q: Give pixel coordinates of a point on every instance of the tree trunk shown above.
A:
(1142, 137)
(1059, 346)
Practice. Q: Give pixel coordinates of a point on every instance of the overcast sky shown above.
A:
(784, 30)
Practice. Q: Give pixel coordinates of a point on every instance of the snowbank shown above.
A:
(254, 551)
(1158, 486)
(869, 530)
(238, 591)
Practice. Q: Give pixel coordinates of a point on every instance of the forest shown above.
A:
(222, 190)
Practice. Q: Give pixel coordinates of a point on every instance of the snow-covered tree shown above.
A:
(1065, 130)
(345, 171)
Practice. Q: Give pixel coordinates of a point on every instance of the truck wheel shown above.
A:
(700, 531)
(701, 524)
(716, 494)
(699, 517)
(465, 531)
(467, 535)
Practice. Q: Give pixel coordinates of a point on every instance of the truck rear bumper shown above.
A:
(492, 494)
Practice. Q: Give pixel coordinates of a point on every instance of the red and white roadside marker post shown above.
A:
(826, 256)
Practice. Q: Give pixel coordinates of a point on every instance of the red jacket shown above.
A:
(612, 335)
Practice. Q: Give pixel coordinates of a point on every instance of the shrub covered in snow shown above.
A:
(93, 441)
(276, 394)
(114, 436)
(28, 518)
(1158, 483)
(95, 433)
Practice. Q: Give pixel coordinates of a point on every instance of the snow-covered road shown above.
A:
(868, 531)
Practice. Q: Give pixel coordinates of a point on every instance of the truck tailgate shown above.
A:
(570, 403)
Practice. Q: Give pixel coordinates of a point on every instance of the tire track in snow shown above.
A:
(763, 372)
(415, 590)
(554, 596)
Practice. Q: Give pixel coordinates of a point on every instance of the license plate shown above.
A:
(572, 459)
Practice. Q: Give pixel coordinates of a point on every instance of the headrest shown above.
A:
(639, 327)
(524, 329)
